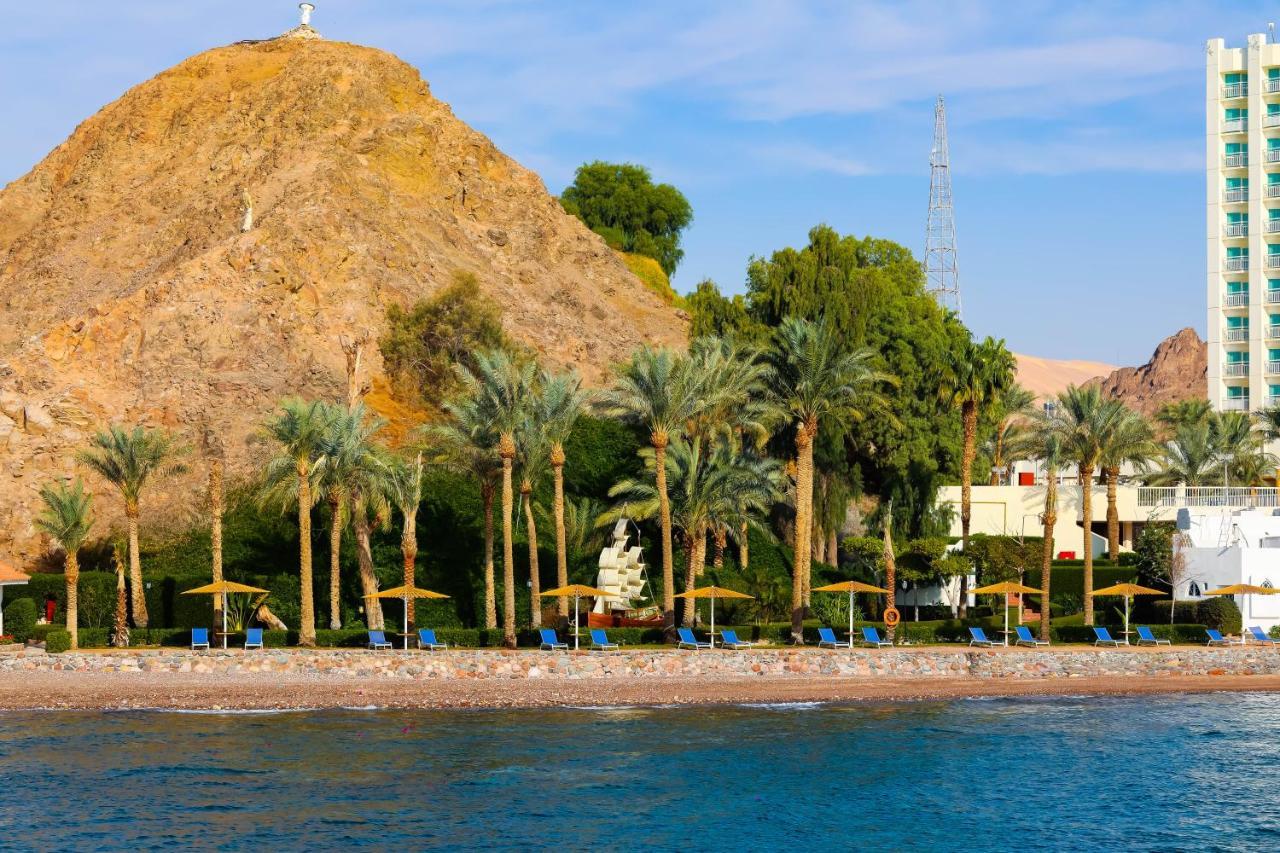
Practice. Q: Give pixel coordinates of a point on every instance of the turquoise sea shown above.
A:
(1084, 773)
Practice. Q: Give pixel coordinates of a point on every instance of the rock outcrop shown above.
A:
(136, 288)
(1177, 370)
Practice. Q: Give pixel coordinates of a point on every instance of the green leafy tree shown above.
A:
(66, 519)
(714, 315)
(620, 202)
(1183, 413)
(1132, 442)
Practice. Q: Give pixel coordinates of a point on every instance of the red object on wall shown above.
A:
(1026, 478)
(1066, 555)
(50, 607)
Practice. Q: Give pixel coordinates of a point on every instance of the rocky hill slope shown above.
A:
(1177, 370)
(134, 292)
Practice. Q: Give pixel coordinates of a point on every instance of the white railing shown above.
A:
(1273, 260)
(1235, 404)
(1271, 120)
(1273, 226)
(1273, 190)
(1273, 367)
(1235, 125)
(1237, 229)
(1273, 155)
(1273, 333)
(1273, 84)
(1272, 297)
(1272, 400)
(1240, 193)
(1236, 300)
(1237, 263)
(1235, 161)
(1235, 90)
(1235, 368)
(1230, 496)
(1237, 333)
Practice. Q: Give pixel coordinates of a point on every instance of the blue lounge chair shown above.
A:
(871, 637)
(978, 637)
(1102, 637)
(827, 637)
(600, 641)
(1260, 637)
(199, 639)
(1146, 638)
(1216, 638)
(689, 641)
(252, 638)
(378, 640)
(1026, 638)
(427, 640)
(550, 642)
(729, 639)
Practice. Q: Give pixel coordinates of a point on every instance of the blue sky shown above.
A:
(1076, 128)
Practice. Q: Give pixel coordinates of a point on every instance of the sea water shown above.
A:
(1080, 773)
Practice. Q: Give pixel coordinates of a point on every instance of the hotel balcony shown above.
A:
(1235, 90)
(1273, 155)
(1271, 120)
(1241, 193)
(1236, 300)
(1235, 368)
(1235, 404)
(1219, 496)
(1273, 261)
(1239, 229)
(1273, 333)
(1273, 190)
(1272, 297)
(1273, 85)
(1235, 161)
(1272, 226)
(1235, 125)
(1273, 367)
(1236, 334)
(1236, 263)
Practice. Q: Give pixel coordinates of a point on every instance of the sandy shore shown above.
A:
(91, 691)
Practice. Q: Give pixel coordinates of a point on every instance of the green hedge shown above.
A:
(20, 619)
(57, 641)
(1179, 633)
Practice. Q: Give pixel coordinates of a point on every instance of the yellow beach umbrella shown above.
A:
(1245, 589)
(1006, 588)
(1128, 590)
(851, 587)
(222, 588)
(713, 592)
(577, 590)
(405, 593)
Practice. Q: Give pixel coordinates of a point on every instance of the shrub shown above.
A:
(1129, 558)
(57, 641)
(20, 619)
(1219, 612)
(1180, 633)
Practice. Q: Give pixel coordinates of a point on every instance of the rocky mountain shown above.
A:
(196, 250)
(1177, 370)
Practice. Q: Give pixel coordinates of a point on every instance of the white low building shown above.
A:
(1223, 547)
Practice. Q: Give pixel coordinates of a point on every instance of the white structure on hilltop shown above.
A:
(1222, 548)
(621, 573)
(1242, 122)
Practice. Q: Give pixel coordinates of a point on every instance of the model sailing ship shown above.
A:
(622, 575)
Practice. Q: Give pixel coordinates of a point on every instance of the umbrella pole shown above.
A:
(1006, 621)
(1126, 620)
(575, 622)
(406, 623)
(224, 621)
(713, 620)
(850, 618)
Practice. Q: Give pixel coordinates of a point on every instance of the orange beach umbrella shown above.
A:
(1006, 588)
(222, 588)
(713, 592)
(577, 590)
(1128, 590)
(851, 587)
(405, 593)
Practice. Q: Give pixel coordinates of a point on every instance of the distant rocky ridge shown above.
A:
(1177, 370)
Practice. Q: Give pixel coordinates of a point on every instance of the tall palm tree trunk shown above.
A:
(507, 449)
(1111, 474)
(535, 576)
(72, 572)
(138, 593)
(368, 578)
(1086, 507)
(490, 594)
(557, 508)
(1046, 564)
(659, 441)
(409, 550)
(307, 615)
(120, 625)
(697, 559)
(744, 548)
(721, 541)
(969, 419)
(336, 510)
(804, 526)
(890, 576)
(216, 507)
(833, 548)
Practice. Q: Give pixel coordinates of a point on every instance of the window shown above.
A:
(1234, 357)
(1241, 147)
(1273, 178)
(1237, 287)
(1237, 183)
(1273, 109)
(1273, 355)
(1273, 73)
(1237, 322)
(1241, 217)
(1237, 392)
(1237, 252)
(1240, 77)
(1234, 113)
(1193, 590)
(1273, 284)
(1273, 144)
(1273, 390)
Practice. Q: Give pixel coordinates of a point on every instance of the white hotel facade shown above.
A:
(1243, 182)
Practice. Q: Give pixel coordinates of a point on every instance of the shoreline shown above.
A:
(78, 691)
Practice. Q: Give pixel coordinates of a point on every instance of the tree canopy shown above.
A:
(621, 203)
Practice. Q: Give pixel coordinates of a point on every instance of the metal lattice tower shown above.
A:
(942, 277)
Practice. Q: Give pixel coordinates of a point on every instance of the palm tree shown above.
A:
(120, 622)
(67, 519)
(1133, 442)
(498, 389)
(213, 451)
(1188, 412)
(974, 377)
(657, 391)
(1236, 440)
(1086, 424)
(128, 461)
(468, 445)
(1190, 458)
(300, 429)
(1046, 445)
(1015, 405)
(532, 455)
(1269, 421)
(404, 486)
(813, 377)
(560, 404)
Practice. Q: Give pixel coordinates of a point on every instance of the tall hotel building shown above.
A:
(1242, 119)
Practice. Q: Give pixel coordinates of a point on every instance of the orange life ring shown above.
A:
(892, 616)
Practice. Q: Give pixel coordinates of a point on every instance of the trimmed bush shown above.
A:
(57, 641)
(20, 619)
(1219, 612)
(1181, 633)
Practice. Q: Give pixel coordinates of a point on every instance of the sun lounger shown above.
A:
(1216, 638)
(1026, 638)
(1260, 637)
(1146, 638)
(378, 640)
(871, 637)
(252, 638)
(427, 640)
(978, 637)
(600, 641)
(1102, 637)
(199, 639)
(827, 637)
(689, 641)
(550, 642)
(729, 639)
